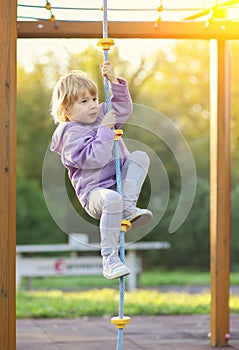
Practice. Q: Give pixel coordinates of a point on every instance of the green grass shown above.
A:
(155, 278)
(59, 304)
(178, 278)
(96, 296)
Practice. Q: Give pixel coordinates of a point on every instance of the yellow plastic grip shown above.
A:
(118, 133)
(120, 322)
(106, 43)
(125, 225)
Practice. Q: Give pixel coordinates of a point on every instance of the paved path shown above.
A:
(151, 333)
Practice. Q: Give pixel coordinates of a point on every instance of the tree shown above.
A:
(34, 125)
(34, 224)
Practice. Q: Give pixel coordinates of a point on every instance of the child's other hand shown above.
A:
(107, 70)
(109, 119)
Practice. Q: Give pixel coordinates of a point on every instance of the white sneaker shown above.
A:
(140, 217)
(113, 267)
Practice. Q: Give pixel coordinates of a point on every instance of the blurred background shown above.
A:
(169, 76)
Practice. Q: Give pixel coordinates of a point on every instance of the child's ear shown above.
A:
(67, 113)
(66, 110)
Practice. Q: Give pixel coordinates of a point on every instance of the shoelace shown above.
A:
(113, 259)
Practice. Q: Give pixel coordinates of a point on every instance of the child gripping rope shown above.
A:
(84, 139)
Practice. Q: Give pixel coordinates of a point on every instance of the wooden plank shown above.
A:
(220, 193)
(79, 246)
(169, 30)
(7, 174)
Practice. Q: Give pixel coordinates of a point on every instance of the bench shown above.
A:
(74, 265)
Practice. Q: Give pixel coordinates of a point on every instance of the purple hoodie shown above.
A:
(87, 150)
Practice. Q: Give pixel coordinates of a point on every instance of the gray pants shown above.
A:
(107, 205)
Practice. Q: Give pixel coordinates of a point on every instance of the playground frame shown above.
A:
(217, 33)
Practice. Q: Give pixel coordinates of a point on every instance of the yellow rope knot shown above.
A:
(106, 43)
(120, 322)
(125, 225)
(118, 133)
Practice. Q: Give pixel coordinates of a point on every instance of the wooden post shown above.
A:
(7, 174)
(220, 192)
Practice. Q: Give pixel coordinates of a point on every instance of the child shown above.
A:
(85, 141)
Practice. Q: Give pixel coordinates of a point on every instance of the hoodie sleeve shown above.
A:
(91, 150)
(121, 102)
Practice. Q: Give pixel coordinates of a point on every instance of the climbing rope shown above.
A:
(121, 320)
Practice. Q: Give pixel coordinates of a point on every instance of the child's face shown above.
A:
(85, 110)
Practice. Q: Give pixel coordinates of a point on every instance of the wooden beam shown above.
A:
(8, 37)
(220, 192)
(168, 30)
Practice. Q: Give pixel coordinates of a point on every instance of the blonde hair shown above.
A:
(67, 91)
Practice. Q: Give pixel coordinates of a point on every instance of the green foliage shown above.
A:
(234, 231)
(190, 243)
(34, 125)
(89, 63)
(34, 224)
(234, 56)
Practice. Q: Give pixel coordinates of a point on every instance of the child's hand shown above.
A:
(107, 69)
(109, 119)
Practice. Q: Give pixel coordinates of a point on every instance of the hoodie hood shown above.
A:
(56, 144)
